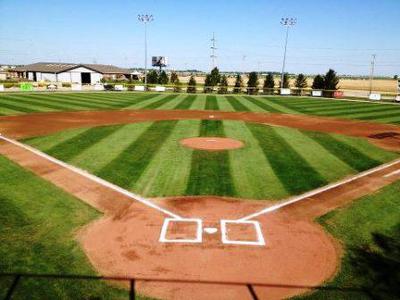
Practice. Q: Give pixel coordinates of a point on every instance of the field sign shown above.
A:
(139, 88)
(316, 93)
(375, 97)
(160, 89)
(338, 94)
(26, 87)
(1, 87)
(119, 87)
(398, 99)
(285, 91)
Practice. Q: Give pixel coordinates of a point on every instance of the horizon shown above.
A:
(249, 36)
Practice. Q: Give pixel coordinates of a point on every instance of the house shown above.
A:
(72, 73)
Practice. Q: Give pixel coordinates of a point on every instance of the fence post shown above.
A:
(132, 295)
(12, 287)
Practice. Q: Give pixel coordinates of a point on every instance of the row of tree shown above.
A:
(215, 79)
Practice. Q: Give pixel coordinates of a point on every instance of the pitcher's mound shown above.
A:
(211, 143)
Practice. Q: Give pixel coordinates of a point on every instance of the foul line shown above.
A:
(94, 178)
(320, 190)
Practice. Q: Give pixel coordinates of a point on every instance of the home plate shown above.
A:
(210, 230)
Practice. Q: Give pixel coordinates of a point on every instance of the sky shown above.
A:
(338, 34)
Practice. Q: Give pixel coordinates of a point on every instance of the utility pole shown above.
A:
(371, 74)
(213, 47)
(145, 19)
(287, 22)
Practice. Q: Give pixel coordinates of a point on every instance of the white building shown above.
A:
(72, 73)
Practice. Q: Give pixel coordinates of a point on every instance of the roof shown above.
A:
(52, 67)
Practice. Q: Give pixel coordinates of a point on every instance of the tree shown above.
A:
(177, 85)
(152, 77)
(318, 83)
(300, 83)
(269, 84)
(252, 84)
(223, 85)
(285, 81)
(215, 77)
(238, 84)
(396, 77)
(163, 78)
(208, 87)
(191, 85)
(174, 78)
(330, 83)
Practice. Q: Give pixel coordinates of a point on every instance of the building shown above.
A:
(73, 73)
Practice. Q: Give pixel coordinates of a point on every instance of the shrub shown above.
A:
(300, 83)
(269, 84)
(223, 85)
(285, 81)
(66, 84)
(163, 78)
(252, 84)
(192, 85)
(108, 87)
(238, 84)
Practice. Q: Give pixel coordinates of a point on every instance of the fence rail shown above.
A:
(17, 277)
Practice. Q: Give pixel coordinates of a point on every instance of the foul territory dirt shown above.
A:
(125, 242)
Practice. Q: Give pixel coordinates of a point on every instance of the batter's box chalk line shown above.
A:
(198, 232)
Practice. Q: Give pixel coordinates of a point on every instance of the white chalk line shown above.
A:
(392, 174)
(319, 190)
(94, 178)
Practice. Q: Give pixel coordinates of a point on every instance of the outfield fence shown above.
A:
(16, 279)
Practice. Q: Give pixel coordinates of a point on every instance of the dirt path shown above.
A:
(125, 242)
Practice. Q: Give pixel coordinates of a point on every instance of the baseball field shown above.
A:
(228, 196)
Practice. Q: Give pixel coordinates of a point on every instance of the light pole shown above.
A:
(371, 74)
(287, 22)
(145, 19)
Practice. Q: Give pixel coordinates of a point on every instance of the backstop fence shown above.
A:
(14, 286)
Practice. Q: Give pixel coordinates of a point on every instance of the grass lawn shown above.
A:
(276, 162)
(354, 225)
(13, 104)
(37, 235)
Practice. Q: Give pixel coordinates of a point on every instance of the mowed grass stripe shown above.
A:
(72, 147)
(211, 103)
(345, 152)
(128, 166)
(168, 172)
(253, 177)
(33, 102)
(236, 104)
(186, 103)
(277, 106)
(262, 104)
(160, 102)
(210, 170)
(19, 108)
(292, 169)
(223, 104)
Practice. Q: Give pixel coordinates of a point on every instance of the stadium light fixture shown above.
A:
(287, 22)
(144, 18)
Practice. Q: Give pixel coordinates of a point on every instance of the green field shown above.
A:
(276, 162)
(364, 264)
(13, 104)
(37, 234)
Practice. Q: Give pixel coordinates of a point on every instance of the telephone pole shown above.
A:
(371, 74)
(213, 47)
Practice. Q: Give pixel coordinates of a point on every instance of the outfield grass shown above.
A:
(12, 104)
(354, 225)
(276, 162)
(39, 223)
